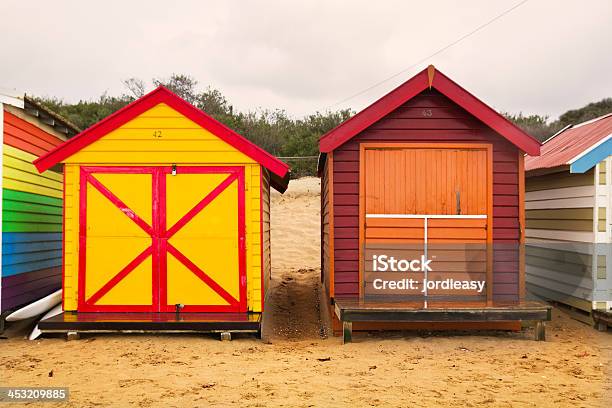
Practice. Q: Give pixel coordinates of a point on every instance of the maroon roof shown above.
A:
(560, 149)
(428, 78)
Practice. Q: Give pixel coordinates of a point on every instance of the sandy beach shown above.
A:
(301, 365)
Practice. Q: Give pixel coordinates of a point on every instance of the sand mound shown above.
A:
(296, 225)
(303, 187)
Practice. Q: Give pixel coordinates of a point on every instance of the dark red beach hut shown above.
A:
(426, 164)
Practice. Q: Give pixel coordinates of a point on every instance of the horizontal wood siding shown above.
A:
(559, 180)
(429, 117)
(267, 246)
(27, 287)
(325, 228)
(25, 136)
(559, 206)
(27, 212)
(576, 219)
(160, 135)
(568, 250)
(560, 269)
(31, 215)
(563, 272)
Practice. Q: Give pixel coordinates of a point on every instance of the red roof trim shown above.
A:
(409, 89)
(376, 111)
(160, 95)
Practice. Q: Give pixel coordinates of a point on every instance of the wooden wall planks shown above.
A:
(31, 215)
(453, 124)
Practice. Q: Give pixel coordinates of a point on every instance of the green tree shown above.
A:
(184, 86)
(86, 113)
(591, 111)
(539, 127)
(535, 125)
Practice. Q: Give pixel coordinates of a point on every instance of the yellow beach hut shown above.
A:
(167, 219)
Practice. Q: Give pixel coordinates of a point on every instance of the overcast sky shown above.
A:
(544, 57)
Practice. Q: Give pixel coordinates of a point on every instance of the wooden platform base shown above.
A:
(354, 311)
(513, 325)
(3, 321)
(602, 320)
(74, 323)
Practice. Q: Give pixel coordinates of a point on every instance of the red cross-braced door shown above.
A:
(162, 238)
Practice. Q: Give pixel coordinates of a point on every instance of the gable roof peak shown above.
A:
(161, 94)
(430, 77)
(431, 72)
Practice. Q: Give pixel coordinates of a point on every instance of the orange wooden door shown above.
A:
(426, 181)
(431, 200)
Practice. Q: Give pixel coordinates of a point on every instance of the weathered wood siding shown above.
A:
(445, 122)
(559, 270)
(31, 212)
(326, 257)
(568, 237)
(266, 242)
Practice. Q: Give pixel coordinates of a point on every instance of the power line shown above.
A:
(439, 51)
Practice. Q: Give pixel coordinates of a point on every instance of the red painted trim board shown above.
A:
(82, 237)
(242, 242)
(158, 216)
(86, 178)
(64, 241)
(159, 235)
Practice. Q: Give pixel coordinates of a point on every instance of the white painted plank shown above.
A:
(579, 236)
(580, 202)
(11, 97)
(550, 273)
(423, 216)
(585, 248)
(565, 288)
(567, 192)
